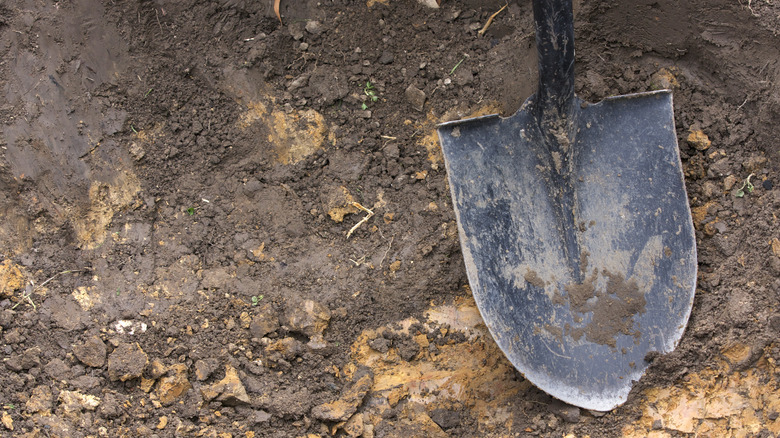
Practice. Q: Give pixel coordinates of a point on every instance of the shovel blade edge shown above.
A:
(579, 269)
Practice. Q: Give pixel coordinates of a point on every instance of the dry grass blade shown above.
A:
(276, 10)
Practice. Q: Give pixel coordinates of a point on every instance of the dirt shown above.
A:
(613, 309)
(214, 224)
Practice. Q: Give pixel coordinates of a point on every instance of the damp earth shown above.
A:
(217, 224)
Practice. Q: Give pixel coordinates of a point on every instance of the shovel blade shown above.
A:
(579, 272)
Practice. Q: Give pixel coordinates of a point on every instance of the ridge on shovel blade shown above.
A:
(575, 228)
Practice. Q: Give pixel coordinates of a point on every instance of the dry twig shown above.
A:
(276, 10)
(490, 20)
(362, 221)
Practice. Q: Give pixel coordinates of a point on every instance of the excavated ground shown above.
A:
(213, 224)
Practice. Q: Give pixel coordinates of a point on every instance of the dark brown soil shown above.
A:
(184, 183)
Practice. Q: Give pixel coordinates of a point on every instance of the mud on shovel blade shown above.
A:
(575, 228)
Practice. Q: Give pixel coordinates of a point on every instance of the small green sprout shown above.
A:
(256, 299)
(191, 211)
(747, 187)
(369, 91)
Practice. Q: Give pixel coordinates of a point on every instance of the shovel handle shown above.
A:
(554, 22)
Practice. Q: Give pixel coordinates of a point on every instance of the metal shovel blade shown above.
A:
(578, 277)
(575, 227)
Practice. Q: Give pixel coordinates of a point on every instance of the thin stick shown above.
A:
(362, 221)
(389, 245)
(26, 295)
(60, 273)
(276, 10)
(490, 20)
(28, 292)
(743, 104)
(158, 19)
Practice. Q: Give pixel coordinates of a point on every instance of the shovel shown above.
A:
(575, 227)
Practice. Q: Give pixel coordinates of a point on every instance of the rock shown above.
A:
(29, 359)
(596, 414)
(354, 427)
(91, 353)
(157, 369)
(329, 84)
(287, 403)
(338, 202)
(126, 362)
(85, 383)
(727, 246)
(11, 278)
(174, 384)
(709, 189)
(408, 348)
(664, 79)
(146, 385)
(14, 336)
(264, 322)
(386, 58)
(754, 164)
(445, 418)
(288, 348)
(66, 313)
(8, 421)
(7, 316)
(136, 151)
(111, 407)
(57, 369)
(217, 278)
(343, 408)
(434, 4)
(729, 182)
(296, 30)
(204, 368)
(54, 425)
(74, 402)
(309, 318)
(299, 82)
(230, 391)
(566, 411)
(40, 400)
(314, 27)
(380, 344)
(254, 250)
(720, 168)
(464, 76)
(415, 97)
(129, 327)
(162, 423)
(259, 417)
(698, 139)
